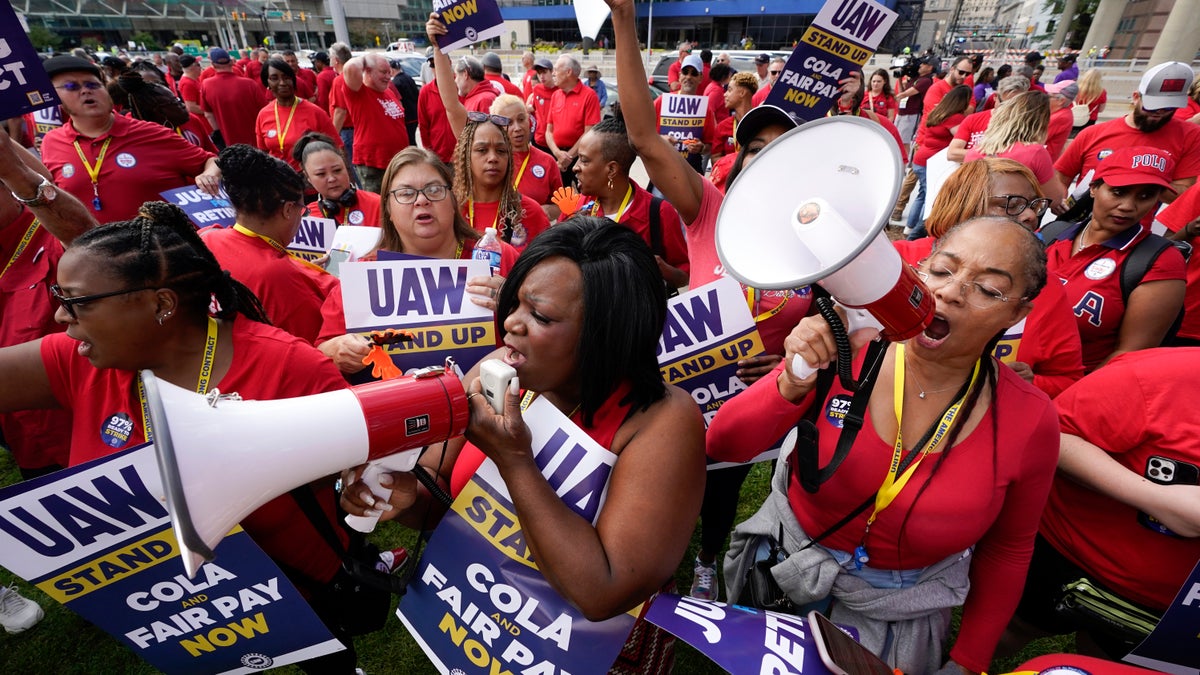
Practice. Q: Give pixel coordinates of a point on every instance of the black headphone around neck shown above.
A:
(330, 208)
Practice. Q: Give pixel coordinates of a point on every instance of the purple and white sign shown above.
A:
(24, 85)
(468, 22)
(313, 239)
(682, 118)
(841, 38)
(1174, 644)
(202, 208)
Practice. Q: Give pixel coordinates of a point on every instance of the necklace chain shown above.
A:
(921, 390)
(1078, 244)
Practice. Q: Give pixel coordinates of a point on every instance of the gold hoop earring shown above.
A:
(610, 183)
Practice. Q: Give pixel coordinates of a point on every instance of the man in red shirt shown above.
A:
(530, 77)
(689, 81)
(493, 70)
(1062, 97)
(539, 101)
(574, 108)
(339, 53)
(189, 84)
(958, 73)
(1161, 91)
(685, 48)
(325, 77)
(436, 133)
(255, 65)
(379, 129)
(773, 73)
(474, 89)
(110, 162)
(231, 103)
(306, 80)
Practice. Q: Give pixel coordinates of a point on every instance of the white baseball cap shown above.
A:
(1166, 86)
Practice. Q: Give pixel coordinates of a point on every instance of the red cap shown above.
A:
(1137, 165)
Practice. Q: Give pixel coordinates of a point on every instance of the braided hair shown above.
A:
(160, 248)
(509, 210)
(257, 183)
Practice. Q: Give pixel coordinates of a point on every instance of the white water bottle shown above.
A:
(488, 249)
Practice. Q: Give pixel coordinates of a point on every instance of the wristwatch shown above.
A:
(46, 193)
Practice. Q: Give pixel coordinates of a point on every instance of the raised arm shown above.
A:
(21, 173)
(443, 70)
(352, 73)
(668, 170)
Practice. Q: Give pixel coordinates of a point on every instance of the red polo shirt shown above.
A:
(570, 112)
(142, 160)
(536, 175)
(436, 133)
(197, 132)
(365, 211)
(379, 131)
(308, 117)
(235, 102)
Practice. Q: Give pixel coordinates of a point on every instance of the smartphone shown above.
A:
(337, 256)
(495, 375)
(842, 654)
(1167, 471)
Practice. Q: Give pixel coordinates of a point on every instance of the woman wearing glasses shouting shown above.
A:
(1044, 348)
(483, 166)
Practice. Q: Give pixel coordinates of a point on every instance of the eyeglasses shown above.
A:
(407, 195)
(69, 304)
(962, 72)
(498, 120)
(90, 85)
(1014, 205)
(975, 294)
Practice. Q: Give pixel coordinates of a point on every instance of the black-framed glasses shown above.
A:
(70, 303)
(90, 85)
(498, 120)
(1014, 205)
(408, 195)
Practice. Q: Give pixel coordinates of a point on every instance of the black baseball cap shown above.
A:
(69, 64)
(760, 117)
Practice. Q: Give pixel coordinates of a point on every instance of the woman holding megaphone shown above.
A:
(941, 489)
(136, 295)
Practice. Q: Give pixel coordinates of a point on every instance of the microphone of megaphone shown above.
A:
(811, 208)
(221, 459)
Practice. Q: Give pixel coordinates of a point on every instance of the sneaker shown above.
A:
(391, 561)
(16, 612)
(704, 583)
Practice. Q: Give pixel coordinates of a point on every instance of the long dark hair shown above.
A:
(160, 248)
(624, 307)
(954, 102)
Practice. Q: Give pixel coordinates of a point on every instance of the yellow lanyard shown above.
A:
(520, 173)
(625, 203)
(21, 246)
(281, 132)
(471, 215)
(206, 368)
(93, 172)
(241, 229)
(891, 485)
(529, 396)
(754, 298)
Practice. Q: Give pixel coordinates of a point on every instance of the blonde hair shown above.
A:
(965, 193)
(1024, 118)
(1090, 86)
(411, 156)
(504, 100)
(747, 81)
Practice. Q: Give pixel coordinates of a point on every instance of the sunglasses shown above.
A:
(72, 87)
(498, 120)
(962, 72)
(775, 72)
(69, 304)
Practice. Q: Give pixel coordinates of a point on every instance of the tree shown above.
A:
(1080, 23)
(43, 38)
(147, 39)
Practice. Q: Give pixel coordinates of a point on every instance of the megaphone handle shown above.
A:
(856, 319)
(370, 478)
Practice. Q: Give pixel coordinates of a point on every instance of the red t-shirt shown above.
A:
(540, 100)
(931, 140)
(379, 131)
(291, 291)
(1091, 145)
(197, 132)
(436, 133)
(725, 142)
(533, 222)
(973, 127)
(1175, 217)
(761, 95)
(37, 438)
(1183, 114)
(142, 160)
(570, 112)
(1092, 281)
(527, 83)
(337, 99)
(716, 102)
(539, 178)
(267, 364)
(1061, 122)
(879, 105)
(189, 90)
(235, 102)
(1124, 409)
(637, 218)
(1094, 105)
(308, 80)
(366, 211)
(1033, 156)
(1046, 340)
(480, 98)
(325, 80)
(251, 71)
(307, 117)
(509, 87)
(988, 492)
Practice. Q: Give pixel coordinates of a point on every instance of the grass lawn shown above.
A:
(65, 644)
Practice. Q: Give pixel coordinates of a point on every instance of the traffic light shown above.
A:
(302, 17)
(243, 16)
(287, 16)
(234, 15)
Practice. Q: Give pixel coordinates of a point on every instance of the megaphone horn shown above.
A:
(846, 173)
(208, 449)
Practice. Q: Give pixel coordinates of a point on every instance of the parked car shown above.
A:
(613, 97)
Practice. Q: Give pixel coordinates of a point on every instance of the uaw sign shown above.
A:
(24, 85)
(313, 239)
(841, 38)
(425, 297)
(98, 539)
(468, 22)
(479, 604)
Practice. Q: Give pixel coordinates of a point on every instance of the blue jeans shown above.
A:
(348, 143)
(916, 223)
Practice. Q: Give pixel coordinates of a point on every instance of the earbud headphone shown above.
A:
(330, 208)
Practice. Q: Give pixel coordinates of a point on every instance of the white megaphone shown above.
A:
(221, 458)
(811, 208)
